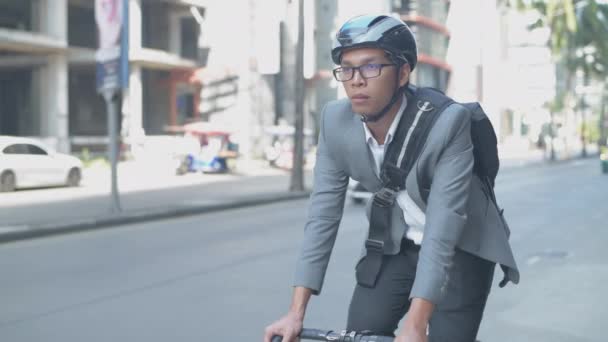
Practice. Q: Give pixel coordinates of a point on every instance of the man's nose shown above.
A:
(358, 79)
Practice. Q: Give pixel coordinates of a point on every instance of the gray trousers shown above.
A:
(455, 319)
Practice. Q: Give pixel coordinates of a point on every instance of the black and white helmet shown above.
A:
(377, 31)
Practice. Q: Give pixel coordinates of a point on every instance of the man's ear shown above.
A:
(404, 74)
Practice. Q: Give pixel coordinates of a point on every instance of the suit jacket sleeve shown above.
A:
(324, 214)
(446, 207)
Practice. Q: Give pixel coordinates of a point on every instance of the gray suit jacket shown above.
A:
(458, 211)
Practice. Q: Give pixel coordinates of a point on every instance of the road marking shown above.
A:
(533, 260)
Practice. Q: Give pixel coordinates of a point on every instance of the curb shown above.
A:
(144, 215)
(23, 232)
(512, 164)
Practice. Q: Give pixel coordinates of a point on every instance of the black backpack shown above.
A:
(485, 151)
(424, 106)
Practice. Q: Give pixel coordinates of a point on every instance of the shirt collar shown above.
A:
(391, 130)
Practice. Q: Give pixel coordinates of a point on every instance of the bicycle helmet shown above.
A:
(378, 31)
(383, 32)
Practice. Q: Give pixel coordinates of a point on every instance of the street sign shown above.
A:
(112, 59)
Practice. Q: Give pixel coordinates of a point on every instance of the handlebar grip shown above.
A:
(276, 338)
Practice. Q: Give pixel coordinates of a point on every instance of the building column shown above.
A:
(173, 100)
(53, 88)
(175, 32)
(53, 18)
(197, 101)
(132, 128)
(132, 122)
(53, 80)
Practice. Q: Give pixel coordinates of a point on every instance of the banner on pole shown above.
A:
(112, 56)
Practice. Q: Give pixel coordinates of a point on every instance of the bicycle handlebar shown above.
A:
(329, 335)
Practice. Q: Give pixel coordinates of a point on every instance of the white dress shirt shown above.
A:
(413, 216)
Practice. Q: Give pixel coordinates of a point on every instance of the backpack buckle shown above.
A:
(385, 197)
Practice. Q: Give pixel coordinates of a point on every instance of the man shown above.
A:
(445, 236)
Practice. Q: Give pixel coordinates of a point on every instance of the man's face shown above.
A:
(369, 96)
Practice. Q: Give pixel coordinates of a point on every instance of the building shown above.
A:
(226, 62)
(47, 70)
(426, 19)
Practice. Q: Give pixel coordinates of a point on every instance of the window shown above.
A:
(403, 6)
(82, 29)
(16, 149)
(33, 149)
(16, 14)
(189, 38)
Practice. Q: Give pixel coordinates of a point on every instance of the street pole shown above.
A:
(584, 115)
(552, 134)
(297, 174)
(111, 97)
(603, 120)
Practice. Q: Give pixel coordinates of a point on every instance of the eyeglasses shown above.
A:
(366, 71)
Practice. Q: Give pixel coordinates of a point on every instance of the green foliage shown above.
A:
(90, 161)
(578, 31)
(591, 131)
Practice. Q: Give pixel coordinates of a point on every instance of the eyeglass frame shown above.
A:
(358, 68)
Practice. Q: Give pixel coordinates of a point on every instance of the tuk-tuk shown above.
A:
(212, 149)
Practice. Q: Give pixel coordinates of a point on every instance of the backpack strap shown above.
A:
(423, 108)
(403, 153)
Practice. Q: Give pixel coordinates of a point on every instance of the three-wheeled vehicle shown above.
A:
(213, 149)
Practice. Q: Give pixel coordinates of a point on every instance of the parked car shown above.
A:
(26, 163)
(357, 193)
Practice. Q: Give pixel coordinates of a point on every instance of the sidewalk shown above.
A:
(150, 192)
(147, 192)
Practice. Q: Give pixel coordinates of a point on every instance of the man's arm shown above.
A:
(299, 302)
(326, 205)
(445, 213)
(325, 211)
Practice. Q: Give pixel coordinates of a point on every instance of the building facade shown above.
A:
(226, 62)
(426, 19)
(47, 70)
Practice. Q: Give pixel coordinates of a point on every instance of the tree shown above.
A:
(578, 39)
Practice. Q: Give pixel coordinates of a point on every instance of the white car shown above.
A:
(26, 163)
(357, 193)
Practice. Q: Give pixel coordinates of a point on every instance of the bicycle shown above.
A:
(343, 336)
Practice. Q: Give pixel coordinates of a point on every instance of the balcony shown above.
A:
(162, 60)
(23, 41)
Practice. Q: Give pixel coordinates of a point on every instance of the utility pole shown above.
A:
(603, 120)
(111, 98)
(112, 59)
(584, 115)
(297, 171)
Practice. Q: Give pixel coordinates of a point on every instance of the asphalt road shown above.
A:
(224, 276)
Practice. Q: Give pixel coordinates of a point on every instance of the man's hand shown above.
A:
(416, 321)
(412, 334)
(289, 327)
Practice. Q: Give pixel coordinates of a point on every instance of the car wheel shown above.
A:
(8, 182)
(74, 177)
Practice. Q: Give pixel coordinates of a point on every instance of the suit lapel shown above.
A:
(362, 159)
